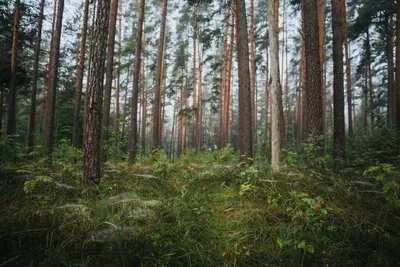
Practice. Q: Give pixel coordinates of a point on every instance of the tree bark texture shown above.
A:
(79, 76)
(109, 77)
(156, 131)
(94, 98)
(315, 119)
(52, 90)
(12, 98)
(338, 84)
(245, 115)
(348, 70)
(274, 88)
(398, 68)
(36, 54)
(135, 87)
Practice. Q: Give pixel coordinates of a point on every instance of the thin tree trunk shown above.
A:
(1, 105)
(266, 97)
(199, 128)
(398, 69)
(49, 66)
(156, 134)
(109, 77)
(348, 70)
(321, 30)
(303, 71)
(227, 93)
(116, 115)
(285, 49)
(133, 138)
(144, 99)
(221, 124)
(253, 73)
(79, 77)
(275, 85)
(89, 64)
(12, 99)
(180, 123)
(338, 84)
(54, 80)
(371, 89)
(94, 99)
(125, 111)
(32, 116)
(391, 81)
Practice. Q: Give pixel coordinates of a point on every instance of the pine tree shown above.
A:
(32, 116)
(338, 85)
(133, 138)
(52, 90)
(12, 99)
(94, 99)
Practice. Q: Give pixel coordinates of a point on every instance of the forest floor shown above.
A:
(186, 214)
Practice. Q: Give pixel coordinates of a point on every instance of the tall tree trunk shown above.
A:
(133, 138)
(194, 117)
(49, 67)
(199, 128)
(365, 98)
(144, 99)
(32, 116)
(109, 77)
(266, 98)
(227, 93)
(253, 73)
(348, 69)
(391, 81)
(12, 99)
(156, 134)
(313, 72)
(398, 68)
(338, 84)
(1, 105)
(275, 85)
(285, 49)
(180, 122)
(54, 80)
(303, 71)
(221, 124)
(116, 115)
(369, 74)
(125, 111)
(79, 77)
(321, 30)
(245, 115)
(94, 99)
(172, 146)
(85, 109)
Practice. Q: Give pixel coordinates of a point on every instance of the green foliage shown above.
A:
(378, 144)
(391, 188)
(226, 155)
(29, 186)
(115, 146)
(64, 152)
(10, 149)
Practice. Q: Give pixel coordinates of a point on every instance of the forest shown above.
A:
(199, 133)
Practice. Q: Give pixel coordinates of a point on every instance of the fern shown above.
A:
(29, 186)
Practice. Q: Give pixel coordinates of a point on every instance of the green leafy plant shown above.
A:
(29, 186)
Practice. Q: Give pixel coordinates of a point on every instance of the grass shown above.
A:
(195, 213)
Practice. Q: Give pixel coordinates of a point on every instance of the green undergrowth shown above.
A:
(203, 212)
